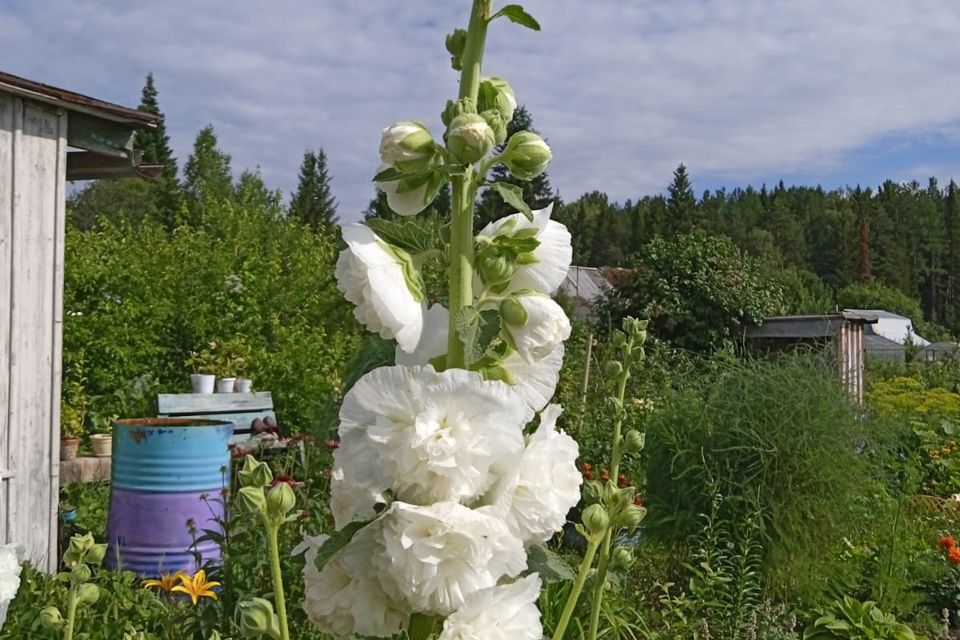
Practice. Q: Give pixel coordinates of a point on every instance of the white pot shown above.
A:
(102, 444)
(243, 385)
(225, 385)
(202, 382)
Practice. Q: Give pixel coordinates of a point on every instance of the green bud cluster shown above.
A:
(82, 550)
(634, 442)
(254, 473)
(456, 43)
(595, 519)
(496, 93)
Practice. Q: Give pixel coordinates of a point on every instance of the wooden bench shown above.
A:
(239, 408)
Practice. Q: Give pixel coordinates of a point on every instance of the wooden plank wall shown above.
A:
(32, 194)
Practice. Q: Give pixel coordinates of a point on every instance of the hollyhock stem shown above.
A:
(278, 596)
(72, 600)
(592, 543)
(465, 188)
(615, 457)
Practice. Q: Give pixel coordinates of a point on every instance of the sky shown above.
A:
(829, 92)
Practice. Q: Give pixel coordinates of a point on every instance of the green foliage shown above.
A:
(139, 300)
(697, 290)
(206, 174)
(804, 293)
(874, 295)
(776, 439)
(848, 619)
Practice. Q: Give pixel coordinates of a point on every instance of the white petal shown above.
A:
(505, 611)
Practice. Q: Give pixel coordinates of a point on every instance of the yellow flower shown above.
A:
(197, 587)
(166, 582)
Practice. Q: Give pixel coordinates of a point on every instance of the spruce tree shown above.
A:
(154, 143)
(681, 203)
(537, 192)
(207, 173)
(313, 202)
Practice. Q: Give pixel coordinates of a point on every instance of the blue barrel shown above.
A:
(167, 482)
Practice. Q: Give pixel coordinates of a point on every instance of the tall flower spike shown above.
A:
(380, 281)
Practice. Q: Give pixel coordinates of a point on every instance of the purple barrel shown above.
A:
(166, 488)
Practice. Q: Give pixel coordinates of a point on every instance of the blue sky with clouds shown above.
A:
(741, 91)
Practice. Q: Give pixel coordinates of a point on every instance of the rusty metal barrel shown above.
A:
(167, 483)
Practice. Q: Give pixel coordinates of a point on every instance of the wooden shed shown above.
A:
(38, 126)
(843, 332)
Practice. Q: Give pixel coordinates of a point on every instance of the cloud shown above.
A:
(624, 90)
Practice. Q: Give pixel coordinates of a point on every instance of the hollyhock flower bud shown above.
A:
(470, 138)
(613, 368)
(546, 326)
(634, 441)
(494, 270)
(622, 558)
(281, 499)
(51, 618)
(497, 122)
(408, 146)
(88, 593)
(496, 93)
(251, 499)
(596, 519)
(513, 312)
(631, 516)
(526, 155)
(80, 574)
(258, 619)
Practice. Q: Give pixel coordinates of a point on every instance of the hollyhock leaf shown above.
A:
(410, 234)
(550, 566)
(513, 196)
(517, 14)
(477, 330)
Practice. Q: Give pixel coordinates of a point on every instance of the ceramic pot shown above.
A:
(202, 382)
(243, 385)
(225, 385)
(102, 444)
(68, 448)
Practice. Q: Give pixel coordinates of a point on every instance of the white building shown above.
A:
(891, 326)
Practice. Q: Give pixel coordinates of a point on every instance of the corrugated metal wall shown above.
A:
(849, 354)
(32, 183)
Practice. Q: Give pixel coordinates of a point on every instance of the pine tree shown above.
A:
(313, 202)
(537, 193)
(207, 173)
(681, 203)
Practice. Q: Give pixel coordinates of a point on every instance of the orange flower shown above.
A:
(946, 543)
(166, 582)
(953, 555)
(197, 586)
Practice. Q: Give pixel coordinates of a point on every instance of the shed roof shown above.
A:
(585, 283)
(102, 130)
(800, 327)
(77, 102)
(948, 347)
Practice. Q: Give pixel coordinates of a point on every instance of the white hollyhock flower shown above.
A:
(373, 278)
(426, 436)
(535, 499)
(553, 256)
(11, 559)
(501, 612)
(345, 597)
(434, 557)
(544, 326)
(534, 381)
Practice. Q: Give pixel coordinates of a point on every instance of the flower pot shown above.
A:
(225, 385)
(68, 448)
(243, 385)
(102, 443)
(202, 382)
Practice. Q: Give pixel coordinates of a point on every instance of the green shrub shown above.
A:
(848, 619)
(139, 300)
